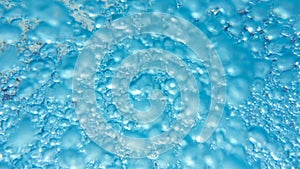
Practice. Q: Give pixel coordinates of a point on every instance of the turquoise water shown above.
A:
(43, 43)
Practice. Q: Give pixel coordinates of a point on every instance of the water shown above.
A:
(257, 43)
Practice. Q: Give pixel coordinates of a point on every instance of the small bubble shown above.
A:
(153, 155)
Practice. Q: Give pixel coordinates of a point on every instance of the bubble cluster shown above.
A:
(258, 43)
(148, 60)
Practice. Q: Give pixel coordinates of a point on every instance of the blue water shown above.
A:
(258, 43)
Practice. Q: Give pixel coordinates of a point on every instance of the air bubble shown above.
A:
(286, 61)
(10, 34)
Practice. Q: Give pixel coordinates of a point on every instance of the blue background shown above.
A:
(257, 41)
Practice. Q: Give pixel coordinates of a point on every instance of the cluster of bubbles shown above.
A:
(259, 45)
